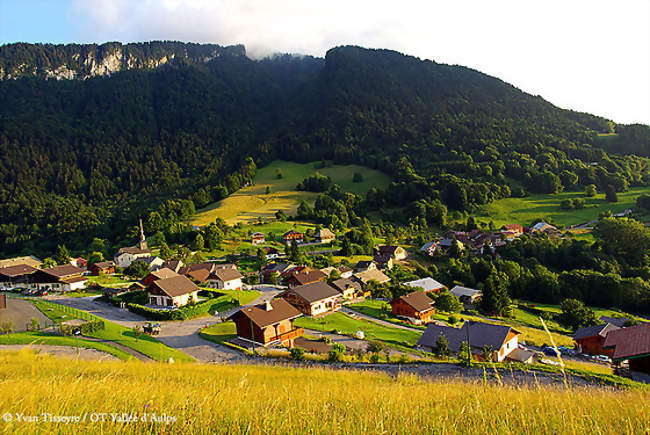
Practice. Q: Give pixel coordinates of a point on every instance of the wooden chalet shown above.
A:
(416, 307)
(16, 277)
(590, 340)
(268, 324)
(313, 299)
(59, 278)
(102, 268)
(258, 239)
(292, 235)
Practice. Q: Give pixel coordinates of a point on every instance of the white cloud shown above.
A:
(588, 55)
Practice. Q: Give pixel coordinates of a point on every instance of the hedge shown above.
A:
(184, 313)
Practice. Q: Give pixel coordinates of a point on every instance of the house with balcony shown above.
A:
(313, 299)
(268, 324)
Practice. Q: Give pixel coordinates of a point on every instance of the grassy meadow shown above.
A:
(237, 399)
(252, 202)
(525, 210)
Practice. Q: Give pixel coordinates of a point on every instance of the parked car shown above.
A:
(550, 351)
(41, 293)
(603, 358)
(28, 292)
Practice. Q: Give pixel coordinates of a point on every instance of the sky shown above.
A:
(585, 55)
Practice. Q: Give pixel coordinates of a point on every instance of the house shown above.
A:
(465, 294)
(590, 340)
(430, 248)
(152, 262)
(631, 344)
(616, 321)
(199, 276)
(258, 239)
(503, 339)
(363, 266)
(162, 273)
(371, 275)
(271, 252)
(29, 260)
(447, 243)
(384, 261)
(325, 236)
(543, 227)
(304, 277)
(416, 307)
(126, 256)
(428, 284)
(275, 269)
(79, 262)
(173, 292)
(349, 289)
(397, 253)
(102, 268)
(343, 271)
(226, 278)
(313, 299)
(268, 324)
(16, 277)
(292, 235)
(514, 230)
(174, 265)
(59, 278)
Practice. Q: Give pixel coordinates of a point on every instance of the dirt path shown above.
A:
(62, 351)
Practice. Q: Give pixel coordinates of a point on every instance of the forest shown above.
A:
(86, 158)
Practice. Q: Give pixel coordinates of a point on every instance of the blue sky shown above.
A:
(586, 55)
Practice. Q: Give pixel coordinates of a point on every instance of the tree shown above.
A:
(591, 190)
(293, 253)
(442, 346)
(336, 353)
(576, 315)
(357, 177)
(297, 353)
(62, 255)
(6, 328)
(610, 193)
(278, 173)
(488, 353)
(465, 353)
(95, 257)
(496, 299)
(199, 243)
(626, 237)
(268, 190)
(48, 262)
(643, 201)
(137, 269)
(261, 256)
(165, 253)
(448, 302)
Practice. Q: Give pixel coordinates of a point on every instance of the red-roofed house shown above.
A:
(631, 344)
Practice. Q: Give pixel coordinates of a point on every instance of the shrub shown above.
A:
(297, 354)
(374, 358)
(92, 327)
(453, 320)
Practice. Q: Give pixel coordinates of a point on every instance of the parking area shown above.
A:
(20, 314)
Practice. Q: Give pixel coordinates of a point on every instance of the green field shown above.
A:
(547, 207)
(37, 338)
(249, 203)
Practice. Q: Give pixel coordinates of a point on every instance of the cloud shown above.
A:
(586, 55)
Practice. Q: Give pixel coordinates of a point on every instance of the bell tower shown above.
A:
(143, 241)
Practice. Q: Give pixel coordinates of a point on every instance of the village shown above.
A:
(332, 314)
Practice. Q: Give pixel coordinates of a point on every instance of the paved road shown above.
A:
(20, 313)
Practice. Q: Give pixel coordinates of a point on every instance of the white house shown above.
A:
(172, 292)
(226, 278)
(428, 284)
(126, 256)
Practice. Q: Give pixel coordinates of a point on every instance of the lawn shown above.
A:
(56, 340)
(220, 332)
(245, 297)
(349, 326)
(547, 207)
(146, 345)
(252, 202)
(108, 280)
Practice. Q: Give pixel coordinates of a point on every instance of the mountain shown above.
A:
(91, 137)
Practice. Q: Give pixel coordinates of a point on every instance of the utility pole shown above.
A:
(469, 346)
(252, 334)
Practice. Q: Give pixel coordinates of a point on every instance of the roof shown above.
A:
(629, 342)
(427, 245)
(363, 264)
(460, 291)
(591, 331)
(227, 274)
(199, 275)
(428, 284)
(382, 258)
(257, 234)
(29, 260)
(133, 250)
(163, 273)
(325, 233)
(521, 355)
(65, 270)
(103, 264)
(308, 277)
(480, 335)
(277, 267)
(174, 265)
(386, 249)
(542, 226)
(281, 310)
(344, 283)
(149, 260)
(73, 279)
(315, 292)
(616, 321)
(292, 232)
(175, 286)
(418, 300)
(372, 275)
(513, 227)
(18, 270)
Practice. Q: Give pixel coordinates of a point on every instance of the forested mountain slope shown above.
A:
(121, 131)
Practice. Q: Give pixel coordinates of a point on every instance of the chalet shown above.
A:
(313, 299)
(371, 275)
(226, 278)
(363, 266)
(305, 277)
(349, 289)
(416, 307)
(258, 239)
(343, 271)
(504, 340)
(162, 273)
(275, 269)
(59, 278)
(268, 324)
(325, 236)
(174, 265)
(621, 322)
(271, 252)
(102, 268)
(447, 243)
(543, 227)
(631, 344)
(512, 230)
(384, 261)
(173, 292)
(29, 260)
(430, 248)
(152, 262)
(79, 262)
(16, 277)
(590, 340)
(126, 256)
(465, 294)
(397, 253)
(292, 235)
(199, 276)
(428, 284)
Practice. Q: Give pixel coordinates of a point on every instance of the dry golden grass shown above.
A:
(279, 400)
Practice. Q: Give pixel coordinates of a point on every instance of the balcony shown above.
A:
(290, 335)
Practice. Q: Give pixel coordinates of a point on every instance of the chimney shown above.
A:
(267, 305)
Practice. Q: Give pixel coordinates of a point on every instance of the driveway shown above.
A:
(20, 313)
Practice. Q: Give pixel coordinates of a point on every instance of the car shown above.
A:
(41, 293)
(551, 351)
(603, 358)
(28, 292)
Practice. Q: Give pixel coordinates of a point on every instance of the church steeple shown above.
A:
(143, 241)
